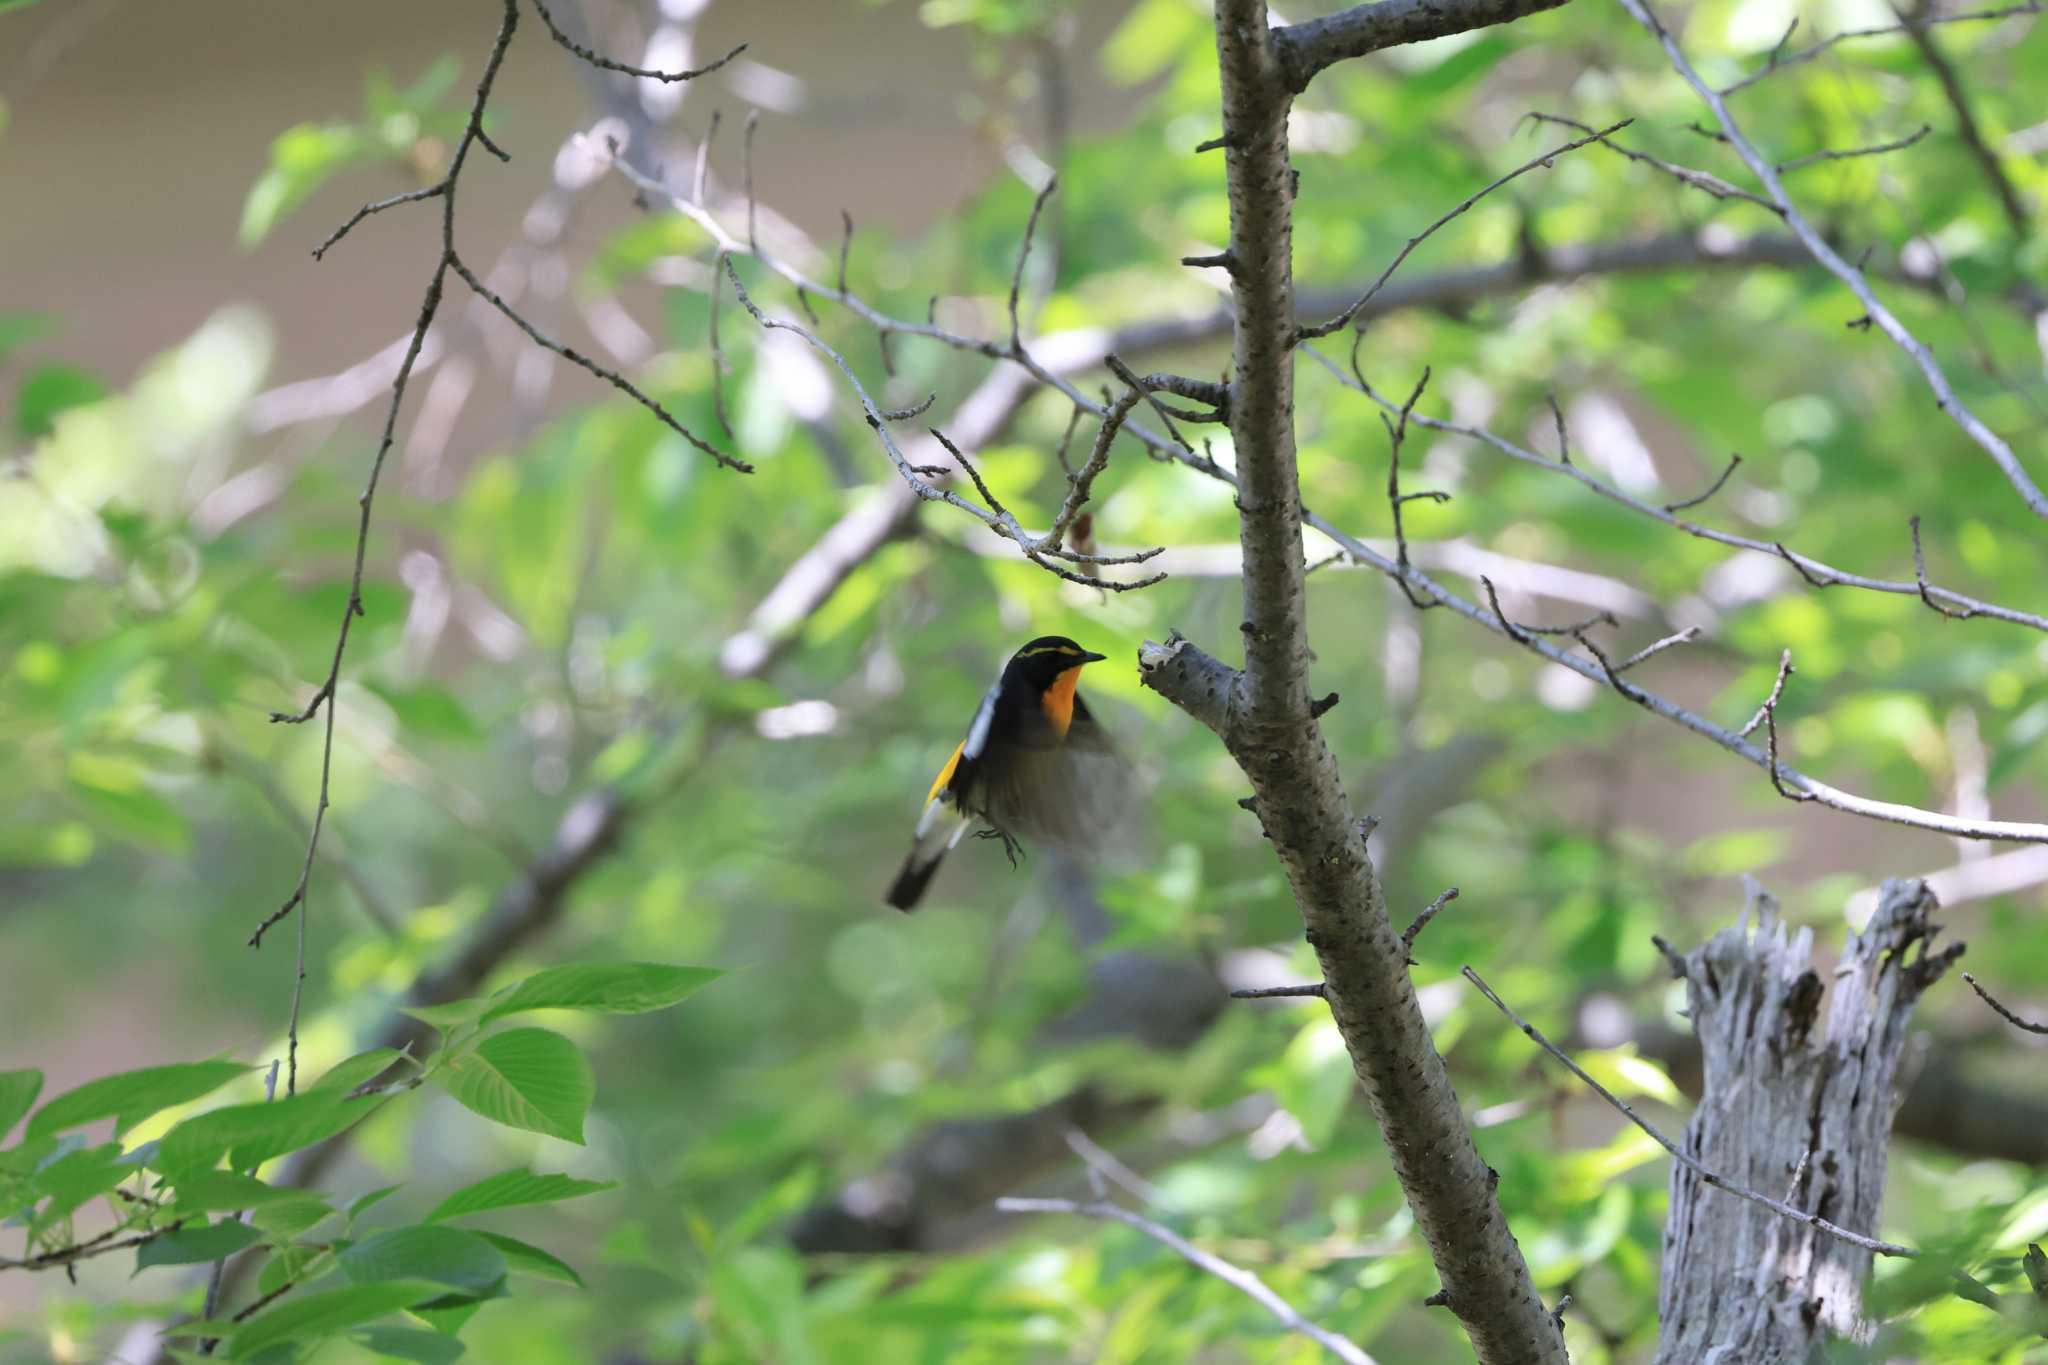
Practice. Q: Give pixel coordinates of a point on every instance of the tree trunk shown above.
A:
(1797, 1105)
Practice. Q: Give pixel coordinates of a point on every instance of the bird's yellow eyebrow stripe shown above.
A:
(1046, 649)
(945, 773)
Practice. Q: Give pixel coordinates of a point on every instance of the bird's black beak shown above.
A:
(1088, 658)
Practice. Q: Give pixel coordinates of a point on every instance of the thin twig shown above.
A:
(1814, 571)
(1812, 1220)
(473, 135)
(1734, 462)
(2011, 1018)
(1024, 255)
(1705, 181)
(1422, 920)
(1686, 636)
(1920, 578)
(1100, 1160)
(1777, 62)
(1877, 149)
(1966, 125)
(1307, 990)
(1990, 442)
(1343, 319)
(704, 158)
(604, 63)
(1770, 702)
(1242, 1280)
(1397, 433)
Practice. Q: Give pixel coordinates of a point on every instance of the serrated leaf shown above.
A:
(287, 1218)
(195, 1245)
(363, 1203)
(357, 1070)
(326, 1313)
(411, 1343)
(75, 1177)
(528, 1078)
(132, 1096)
(526, 1259)
(446, 1017)
(18, 1090)
(449, 1257)
(510, 1188)
(250, 1134)
(224, 1191)
(602, 987)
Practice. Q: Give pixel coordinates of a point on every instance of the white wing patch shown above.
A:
(977, 733)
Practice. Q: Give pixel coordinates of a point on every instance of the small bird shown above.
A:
(1035, 765)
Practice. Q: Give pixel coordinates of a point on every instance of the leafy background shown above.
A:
(549, 589)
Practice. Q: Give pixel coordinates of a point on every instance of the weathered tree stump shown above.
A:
(1801, 1082)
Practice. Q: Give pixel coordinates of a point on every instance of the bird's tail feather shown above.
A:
(933, 843)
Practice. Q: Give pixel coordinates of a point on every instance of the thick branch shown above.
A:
(1274, 737)
(1304, 49)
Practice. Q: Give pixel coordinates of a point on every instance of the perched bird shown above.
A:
(1035, 765)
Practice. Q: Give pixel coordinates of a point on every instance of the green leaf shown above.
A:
(527, 1078)
(510, 1188)
(526, 1259)
(326, 1313)
(363, 1203)
(446, 1017)
(250, 1134)
(18, 1090)
(77, 1176)
(449, 1257)
(195, 1245)
(223, 1191)
(301, 160)
(603, 988)
(357, 1070)
(287, 1218)
(49, 390)
(132, 1096)
(430, 712)
(17, 329)
(411, 1343)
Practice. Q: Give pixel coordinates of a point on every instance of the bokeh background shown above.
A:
(556, 585)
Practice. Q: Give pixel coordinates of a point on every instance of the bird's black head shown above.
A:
(1045, 658)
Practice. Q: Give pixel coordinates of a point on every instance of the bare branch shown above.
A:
(1024, 255)
(1242, 1280)
(1777, 61)
(1966, 123)
(1815, 572)
(1877, 149)
(1705, 181)
(1546, 160)
(2011, 1018)
(1734, 462)
(1990, 442)
(604, 63)
(1429, 912)
(1812, 1220)
(1312, 990)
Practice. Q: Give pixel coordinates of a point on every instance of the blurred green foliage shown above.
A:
(550, 621)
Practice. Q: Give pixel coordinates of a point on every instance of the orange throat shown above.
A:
(1058, 700)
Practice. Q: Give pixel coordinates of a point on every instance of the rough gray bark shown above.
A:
(1266, 720)
(1307, 48)
(1801, 1082)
